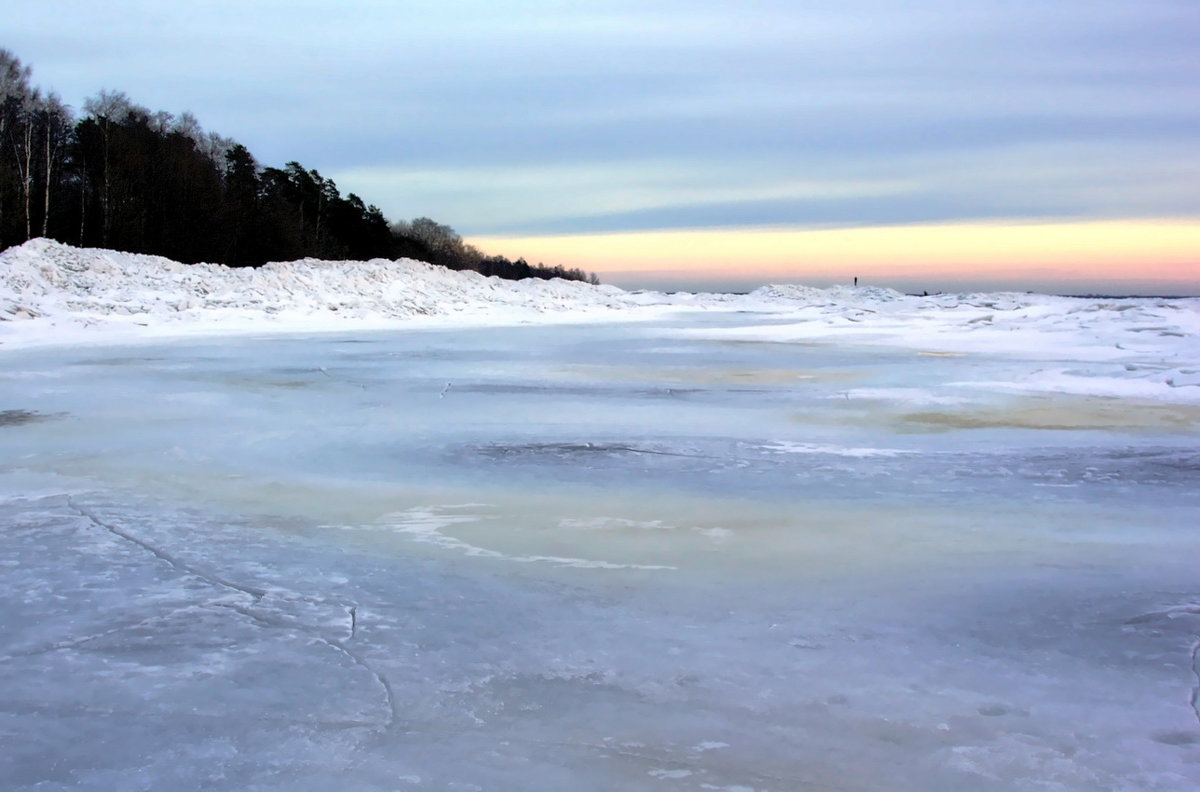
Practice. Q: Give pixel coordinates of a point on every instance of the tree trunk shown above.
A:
(49, 180)
(83, 196)
(106, 219)
(27, 181)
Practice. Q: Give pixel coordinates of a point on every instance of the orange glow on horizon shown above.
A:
(1166, 251)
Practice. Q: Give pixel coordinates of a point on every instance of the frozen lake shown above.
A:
(659, 555)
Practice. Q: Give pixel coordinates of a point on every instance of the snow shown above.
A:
(52, 292)
(1132, 347)
(462, 534)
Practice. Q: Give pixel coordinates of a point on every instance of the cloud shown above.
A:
(1085, 179)
(506, 198)
(544, 116)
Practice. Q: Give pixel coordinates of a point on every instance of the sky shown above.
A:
(682, 144)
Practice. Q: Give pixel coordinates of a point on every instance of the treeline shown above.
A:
(125, 178)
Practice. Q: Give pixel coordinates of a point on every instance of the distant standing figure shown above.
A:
(855, 280)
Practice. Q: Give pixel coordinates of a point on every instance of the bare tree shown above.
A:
(55, 121)
(107, 108)
(214, 146)
(22, 150)
(161, 122)
(439, 238)
(189, 126)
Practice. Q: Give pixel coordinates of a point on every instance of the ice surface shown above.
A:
(1146, 348)
(732, 549)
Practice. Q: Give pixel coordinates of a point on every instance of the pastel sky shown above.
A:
(936, 144)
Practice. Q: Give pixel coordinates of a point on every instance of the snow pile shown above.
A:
(834, 295)
(1023, 324)
(42, 278)
(1139, 347)
(1136, 346)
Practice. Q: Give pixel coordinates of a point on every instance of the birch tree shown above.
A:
(55, 123)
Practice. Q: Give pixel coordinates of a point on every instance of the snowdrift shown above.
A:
(52, 293)
(42, 278)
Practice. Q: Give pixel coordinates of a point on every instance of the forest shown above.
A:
(123, 177)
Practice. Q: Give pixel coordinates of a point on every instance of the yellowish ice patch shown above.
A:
(1061, 413)
(684, 375)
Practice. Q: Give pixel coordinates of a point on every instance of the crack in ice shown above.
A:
(179, 566)
(336, 645)
(257, 595)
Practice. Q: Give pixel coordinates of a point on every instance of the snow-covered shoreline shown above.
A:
(55, 294)
(51, 293)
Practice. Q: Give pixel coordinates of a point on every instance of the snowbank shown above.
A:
(52, 293)
(1130, 347)
(63, 289)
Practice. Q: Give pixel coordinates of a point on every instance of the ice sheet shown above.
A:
(703, 551)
